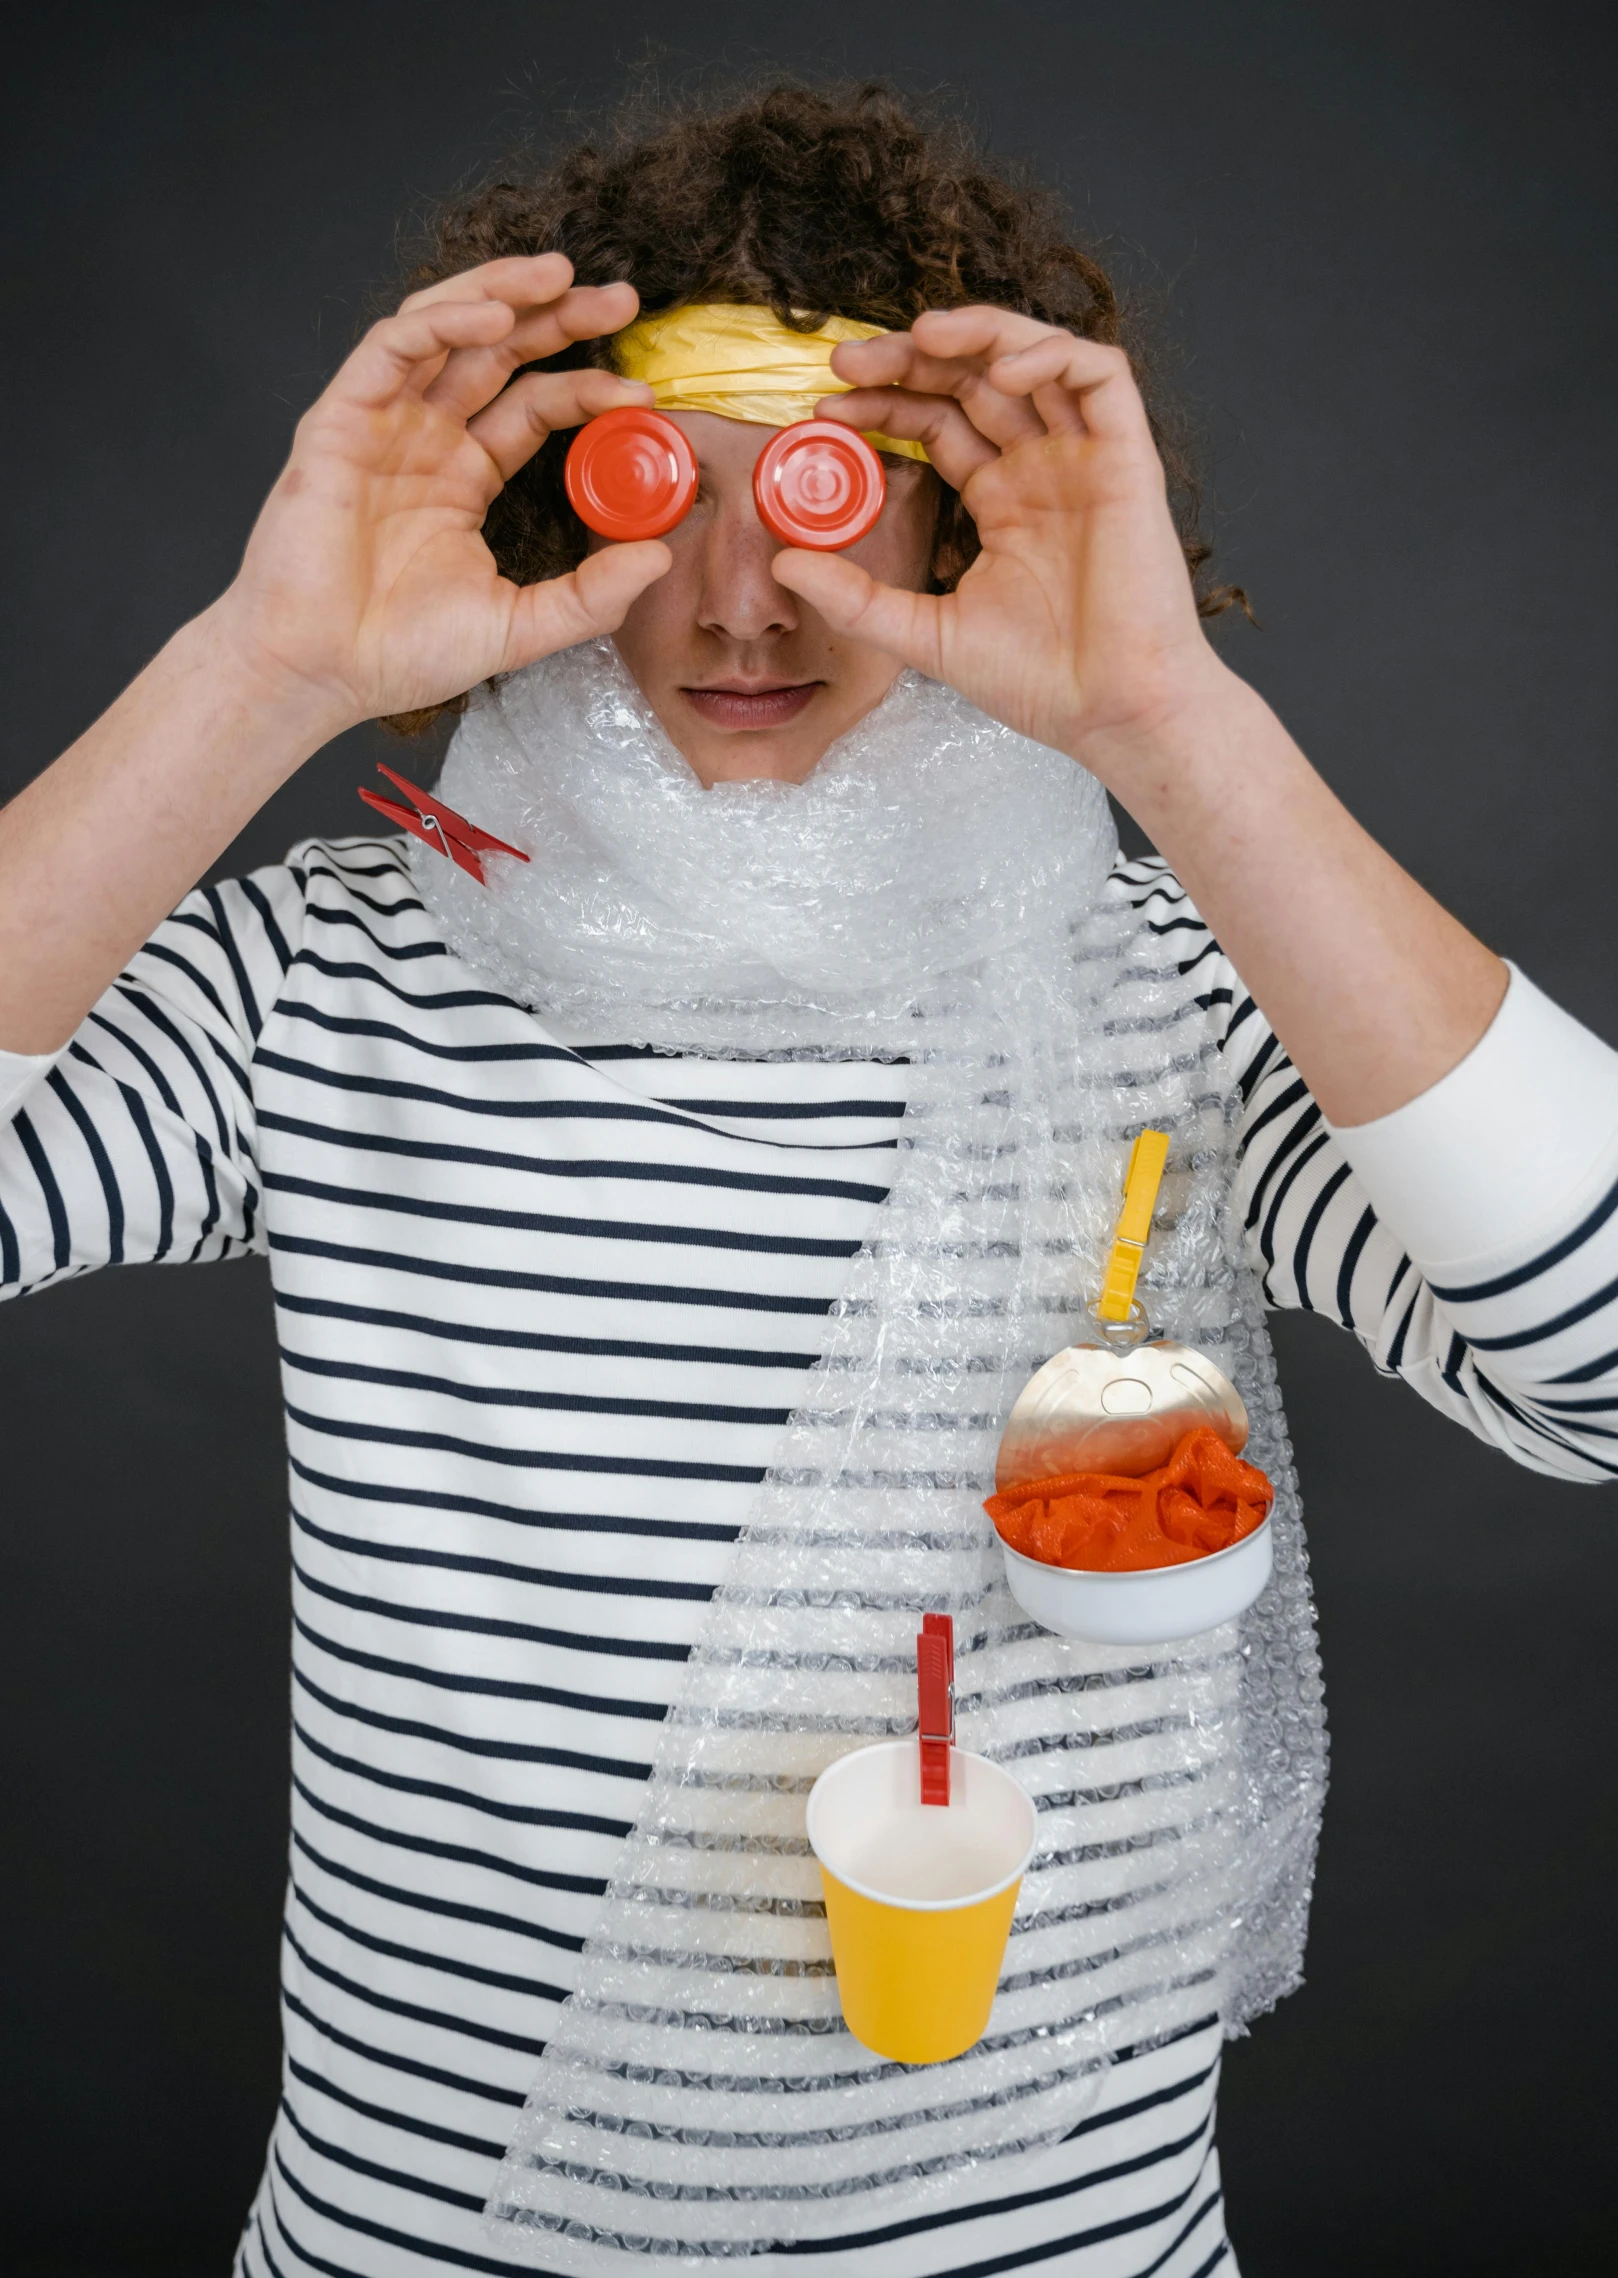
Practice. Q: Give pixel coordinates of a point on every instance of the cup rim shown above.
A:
(924, 1905)
(1141, 1575)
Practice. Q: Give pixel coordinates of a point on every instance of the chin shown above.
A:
(783, 753)
(758, 758)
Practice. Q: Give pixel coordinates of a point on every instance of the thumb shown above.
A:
(594, 598)
(904, 625)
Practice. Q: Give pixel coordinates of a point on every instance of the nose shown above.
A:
(740, 599)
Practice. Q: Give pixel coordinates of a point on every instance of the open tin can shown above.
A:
(1119, 1404)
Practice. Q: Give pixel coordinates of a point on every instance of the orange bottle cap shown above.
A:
(630, 474)
(818, 484)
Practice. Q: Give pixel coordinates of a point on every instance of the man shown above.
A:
(574, 1187)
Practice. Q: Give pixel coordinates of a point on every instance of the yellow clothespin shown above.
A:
(1141, 1182)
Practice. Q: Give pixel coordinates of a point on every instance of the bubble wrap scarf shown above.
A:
(934, 893)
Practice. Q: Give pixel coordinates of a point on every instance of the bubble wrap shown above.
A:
(934, 892)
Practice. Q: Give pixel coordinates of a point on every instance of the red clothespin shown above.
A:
(935, 1687)
(438, 825)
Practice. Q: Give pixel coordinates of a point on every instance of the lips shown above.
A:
(740, 707)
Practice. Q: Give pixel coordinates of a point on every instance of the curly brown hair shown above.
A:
(814, 201)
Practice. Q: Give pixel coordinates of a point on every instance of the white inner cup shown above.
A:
(869, 1826)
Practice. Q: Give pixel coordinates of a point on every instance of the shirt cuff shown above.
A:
(19, 1073)
(1504, 1147)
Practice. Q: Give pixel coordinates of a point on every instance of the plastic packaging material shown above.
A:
(818, 485)
(739, 361)
(934, 893)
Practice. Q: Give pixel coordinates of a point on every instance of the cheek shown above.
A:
(899, 551)
(659, 620)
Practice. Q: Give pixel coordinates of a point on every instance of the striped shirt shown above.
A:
(544, 1305)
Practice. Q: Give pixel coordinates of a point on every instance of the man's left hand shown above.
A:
(1076, 624)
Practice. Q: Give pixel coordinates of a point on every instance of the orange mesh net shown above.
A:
(1203, 1499)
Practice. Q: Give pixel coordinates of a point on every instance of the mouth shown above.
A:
(761, 704)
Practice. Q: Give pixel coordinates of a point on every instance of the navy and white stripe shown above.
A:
(544, 1305)
(1512, 1353)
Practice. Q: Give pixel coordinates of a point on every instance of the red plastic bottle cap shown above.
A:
(818, 484)
(630, 474)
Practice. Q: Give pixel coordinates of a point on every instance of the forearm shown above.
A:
(1373, 988)
(1467, 1239)
(98, 849)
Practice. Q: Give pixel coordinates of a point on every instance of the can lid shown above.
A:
(818, 484)
(630, 473)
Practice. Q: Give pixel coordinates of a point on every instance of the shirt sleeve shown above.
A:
(137, 1143)
(1469, 1240)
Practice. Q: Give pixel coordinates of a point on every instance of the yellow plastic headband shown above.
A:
(742, 363)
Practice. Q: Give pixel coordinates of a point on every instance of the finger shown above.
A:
(979, 331)
(1084, 384)
(898, 360)
(877, 363)
(534, 407)
(408, 352)
(1018, 358)
(594, 598)
(1045, 374)
(955, 447)
(904, 625)
(1004, 420)
(585, 312)
(520, 280)
(942, 337)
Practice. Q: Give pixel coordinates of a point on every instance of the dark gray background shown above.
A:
(1383, 238)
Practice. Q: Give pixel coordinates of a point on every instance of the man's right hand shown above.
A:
(367, 587)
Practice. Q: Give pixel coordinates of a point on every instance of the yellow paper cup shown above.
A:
(919, 1897)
